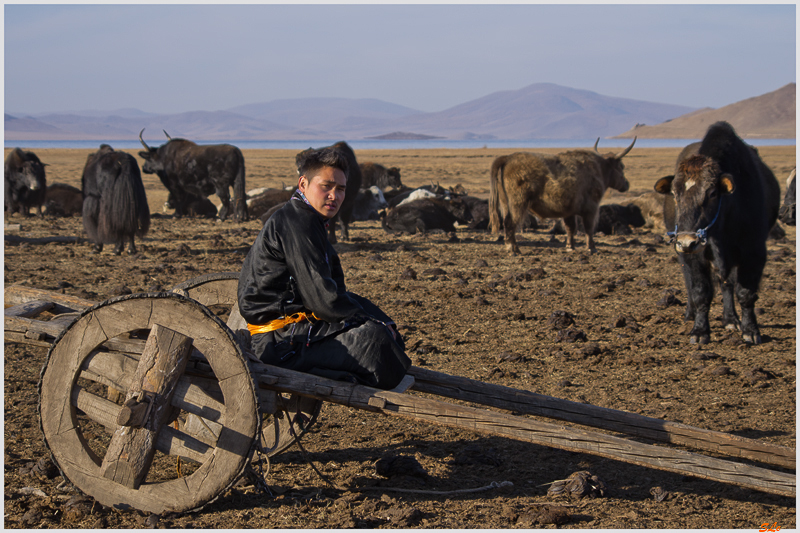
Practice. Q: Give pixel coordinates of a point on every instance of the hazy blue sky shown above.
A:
(175, 58)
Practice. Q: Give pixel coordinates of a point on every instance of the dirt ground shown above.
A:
(471, 310)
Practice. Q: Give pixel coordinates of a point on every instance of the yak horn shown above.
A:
(167, 134)
(595, 144)
(628, 149)
(142, 140)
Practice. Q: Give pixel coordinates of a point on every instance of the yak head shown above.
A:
(698, 188)
(27, 170)
(393, 178)
(153, 163)
(614, 169)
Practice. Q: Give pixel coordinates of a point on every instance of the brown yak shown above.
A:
(567, 185)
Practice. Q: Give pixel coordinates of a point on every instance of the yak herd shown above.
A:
(718, 207)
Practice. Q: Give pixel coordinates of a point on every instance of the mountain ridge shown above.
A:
(537, 111)
(770, 115)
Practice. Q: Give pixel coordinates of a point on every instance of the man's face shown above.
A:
(324, 190)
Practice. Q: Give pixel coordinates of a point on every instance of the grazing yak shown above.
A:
(63, 200)
(114, 202)
(189, 171)
(351, 192)
(26, 183)
(566, 185)
(726, 201)
(788, 211)
(379, 175)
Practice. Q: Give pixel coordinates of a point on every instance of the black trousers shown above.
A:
(361, 350)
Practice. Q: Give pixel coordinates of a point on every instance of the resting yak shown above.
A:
(566, 185)
(25, 183)
(189, 172)
(726, 201)
(114, 202)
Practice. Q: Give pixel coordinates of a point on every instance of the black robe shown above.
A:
(292, 267)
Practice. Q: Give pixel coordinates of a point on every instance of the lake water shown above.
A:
(371, 144)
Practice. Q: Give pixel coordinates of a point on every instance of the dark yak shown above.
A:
(194, 206)
(351, 192)
(379, 175)
(617, 219)
(63, 200)
(566, 185)
(190, 171)
(368, 204)
(478, 212)
(726, 200)
(25, 183)
(114, 202)
(426, 215)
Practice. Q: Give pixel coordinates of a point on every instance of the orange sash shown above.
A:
(279, 323)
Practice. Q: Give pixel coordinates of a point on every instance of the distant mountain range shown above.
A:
(769, 116)
(539, 111)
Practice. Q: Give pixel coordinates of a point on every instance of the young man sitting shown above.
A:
(293, 295)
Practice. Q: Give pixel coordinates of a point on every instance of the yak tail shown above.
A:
(142, 208)
(239, 192)
(123, 210)
(90, 210)
(496, 184)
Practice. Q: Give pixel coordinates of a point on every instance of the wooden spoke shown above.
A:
(212, 418)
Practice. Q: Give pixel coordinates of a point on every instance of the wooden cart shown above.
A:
(133, 385)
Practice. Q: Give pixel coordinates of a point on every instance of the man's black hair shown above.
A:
(309, 161)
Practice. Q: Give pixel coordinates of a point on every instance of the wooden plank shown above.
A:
(131, 450)
(591, 415)
(29, 309)
(22, 324)
(16, 239)
(18, 294)
(529, 430)
(14, 336)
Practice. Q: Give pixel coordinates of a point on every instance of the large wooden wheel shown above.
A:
(217, 291)
(211, 418)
